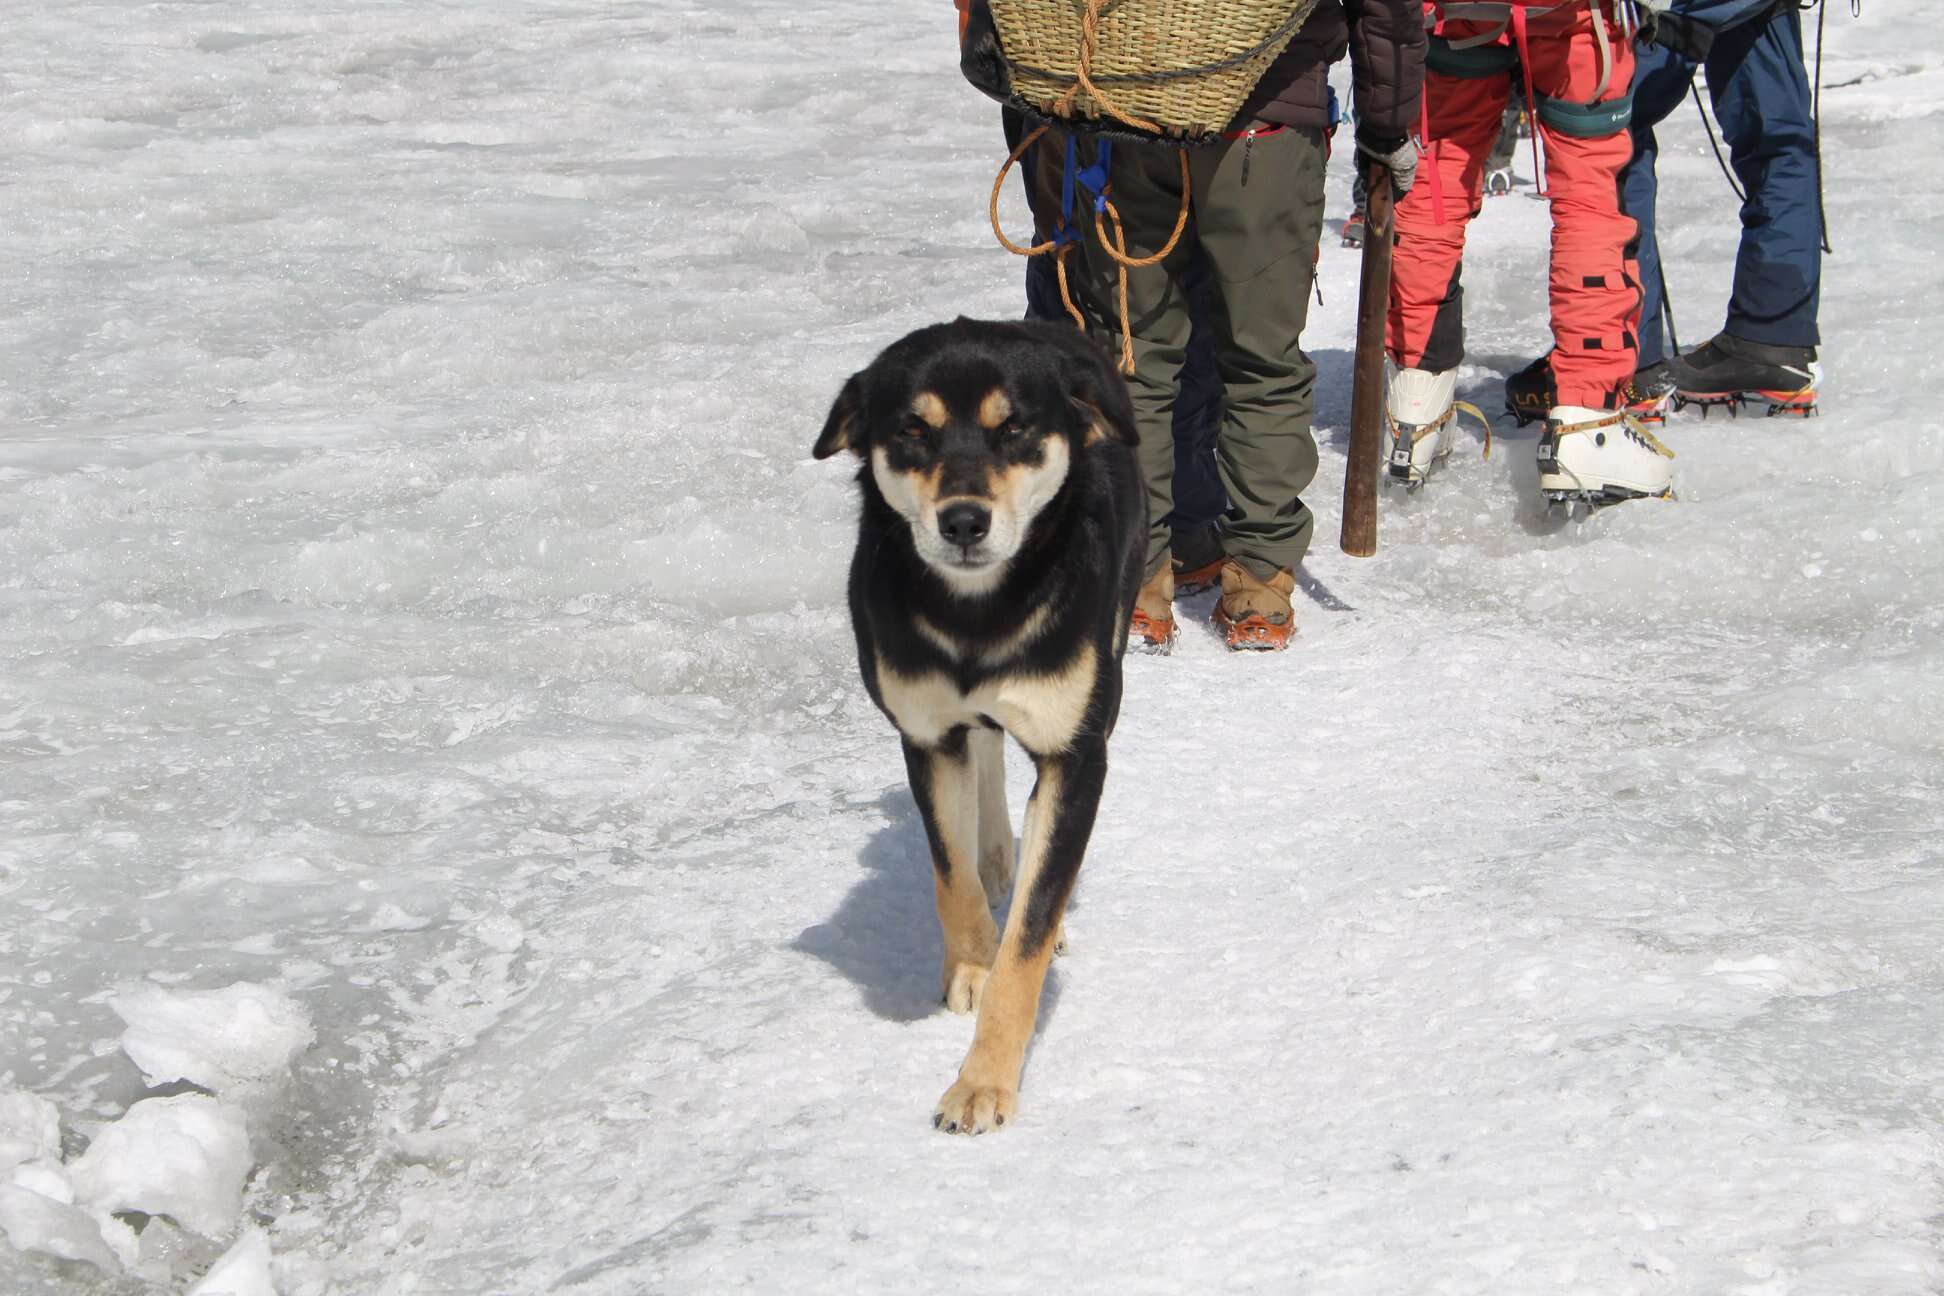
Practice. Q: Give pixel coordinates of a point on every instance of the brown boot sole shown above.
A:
(1195, 580)
(1145, 634)
(1254, 632)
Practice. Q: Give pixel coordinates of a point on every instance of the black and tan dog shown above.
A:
(999, 551)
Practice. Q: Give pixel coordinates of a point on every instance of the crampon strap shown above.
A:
(1619, 418)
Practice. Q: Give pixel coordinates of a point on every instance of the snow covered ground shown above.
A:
(422, 637)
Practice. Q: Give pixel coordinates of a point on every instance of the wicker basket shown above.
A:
(1185, 66)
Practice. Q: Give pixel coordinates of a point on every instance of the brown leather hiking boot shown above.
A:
(1153, 626)
(1254, 614)
(1197, 558)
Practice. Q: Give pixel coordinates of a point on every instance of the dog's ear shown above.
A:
(1104, 424)
(1099, 393)
(840, 430)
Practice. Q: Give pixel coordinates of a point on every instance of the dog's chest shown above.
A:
(1043, 709)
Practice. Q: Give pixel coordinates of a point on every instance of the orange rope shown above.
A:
(1089, 41)
(1116, 247)
(998, 186)
(1066, 294)
(1038, 249)
(1181, 223)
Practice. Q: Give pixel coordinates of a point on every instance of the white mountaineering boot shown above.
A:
(1601, 456)
(1423, 422)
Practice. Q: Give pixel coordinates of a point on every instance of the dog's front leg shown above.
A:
(995, 828)
(1059, 819)
(944, 782)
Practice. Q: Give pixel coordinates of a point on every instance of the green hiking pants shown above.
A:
(1256, 211)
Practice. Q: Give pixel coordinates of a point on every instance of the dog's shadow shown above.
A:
(884, 936)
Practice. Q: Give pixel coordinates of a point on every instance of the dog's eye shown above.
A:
(916, 428)
(1009, 429)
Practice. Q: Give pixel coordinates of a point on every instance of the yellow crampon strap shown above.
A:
(1466, 407)
(1457, 407)
(1620, 418)
(1640, 430)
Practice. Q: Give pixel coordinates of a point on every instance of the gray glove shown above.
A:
(1400, 158)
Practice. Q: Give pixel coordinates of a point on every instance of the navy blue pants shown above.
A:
(1761, 98)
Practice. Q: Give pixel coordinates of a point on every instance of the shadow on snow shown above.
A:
(884, 936)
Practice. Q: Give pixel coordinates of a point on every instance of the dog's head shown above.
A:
(971, 429)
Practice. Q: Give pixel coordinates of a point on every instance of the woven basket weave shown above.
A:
(1183, 65)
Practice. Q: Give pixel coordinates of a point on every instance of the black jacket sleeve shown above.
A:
(1386, 66)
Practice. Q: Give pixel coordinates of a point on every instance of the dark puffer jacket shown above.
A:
(1386, 43)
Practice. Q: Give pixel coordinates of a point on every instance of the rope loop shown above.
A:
(998, 185)
(1062, 240)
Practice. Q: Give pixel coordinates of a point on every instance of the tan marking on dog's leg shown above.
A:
(1059, 929)
(963, 919)
(967, 965)
(986, 1094)
(995, 824)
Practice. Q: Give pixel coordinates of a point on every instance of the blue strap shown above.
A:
(1094, 178)
(1065, 233)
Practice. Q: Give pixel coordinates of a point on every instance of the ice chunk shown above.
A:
(46, 1177)
(36, 1223)
(244, 1269)
(185, 1157)
(244, 1037)
(30, 1129)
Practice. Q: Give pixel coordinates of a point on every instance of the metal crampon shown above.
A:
(1795, 404)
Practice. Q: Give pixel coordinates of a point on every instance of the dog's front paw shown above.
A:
(969, 1108)
(963, 982)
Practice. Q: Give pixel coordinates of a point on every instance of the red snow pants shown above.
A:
(1594, 285)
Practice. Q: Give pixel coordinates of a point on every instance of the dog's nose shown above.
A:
(964, 524)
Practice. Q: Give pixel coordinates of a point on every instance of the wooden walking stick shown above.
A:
(1367, 372)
